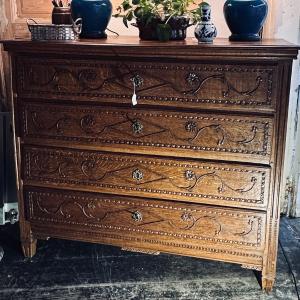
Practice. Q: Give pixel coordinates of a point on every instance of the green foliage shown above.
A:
(146, 10)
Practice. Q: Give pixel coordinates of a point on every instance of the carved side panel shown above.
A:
(199, 135)
(160, 219)
(222, 184)
(163, 84)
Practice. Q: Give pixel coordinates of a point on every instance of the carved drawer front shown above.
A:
(240, 87)
(194, 181)
(206, 228)
(164, 133)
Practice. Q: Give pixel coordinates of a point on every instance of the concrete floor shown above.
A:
(75, 270)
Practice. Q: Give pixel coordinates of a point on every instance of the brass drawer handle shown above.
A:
(137, 216)
(137, 175)
(137, 127)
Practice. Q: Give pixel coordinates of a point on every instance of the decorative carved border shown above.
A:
(148, 205)
(121, 238)
(134, 67)
(265, 143)
(76, 154)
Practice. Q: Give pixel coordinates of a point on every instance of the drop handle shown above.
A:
(137, 82)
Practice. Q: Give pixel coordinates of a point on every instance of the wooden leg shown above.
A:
(268, 273)
(28, 242)
(267, 284)
(29, 247)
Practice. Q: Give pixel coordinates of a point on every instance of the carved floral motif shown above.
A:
(197, 83)
(232, 135)
(201, 224)
(190, 83)
(159, 176)
(101, 169)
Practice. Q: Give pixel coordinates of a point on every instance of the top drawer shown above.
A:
(211, 86)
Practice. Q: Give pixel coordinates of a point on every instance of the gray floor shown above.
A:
(74, 270)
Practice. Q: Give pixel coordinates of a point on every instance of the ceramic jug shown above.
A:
(95, 15)
(245, 18)
(205, 31)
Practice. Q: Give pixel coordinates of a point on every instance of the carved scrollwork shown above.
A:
(108, 79)
(195, 179)
(62, 208)
(248, 230)
(196, 82)
(201, 223)
(230, 87)
(230, 135)
(191, 221)
(58, 124)
(211, 226)
(94, 169)
(88, 75)
(102, 170)
(192, 126)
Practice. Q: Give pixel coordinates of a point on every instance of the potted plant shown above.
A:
(159, 19)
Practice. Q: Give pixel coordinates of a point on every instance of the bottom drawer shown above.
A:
(235, 235)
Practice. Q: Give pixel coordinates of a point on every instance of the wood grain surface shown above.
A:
(195, 169)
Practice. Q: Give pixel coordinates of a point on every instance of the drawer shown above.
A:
(214, 136)
(195, 85)
(179, 180)
(207, 230)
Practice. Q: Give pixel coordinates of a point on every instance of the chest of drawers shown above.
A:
(194, 169)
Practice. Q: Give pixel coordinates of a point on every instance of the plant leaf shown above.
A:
(125, 21)
(129, 16)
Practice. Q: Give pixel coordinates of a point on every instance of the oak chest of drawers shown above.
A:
(194, 169)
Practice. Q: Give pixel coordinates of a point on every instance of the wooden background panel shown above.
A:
(28, 8)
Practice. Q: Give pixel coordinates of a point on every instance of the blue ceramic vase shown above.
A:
(95, 16)
(205, 31)
(245, 18)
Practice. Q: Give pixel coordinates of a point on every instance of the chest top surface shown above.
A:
(132, 46)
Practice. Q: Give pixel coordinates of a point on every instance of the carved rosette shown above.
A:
(201, 223)
(136, 174)
(238, 85)
(234, 136)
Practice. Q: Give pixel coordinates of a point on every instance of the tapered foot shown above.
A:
(267, 285)
(29, 247)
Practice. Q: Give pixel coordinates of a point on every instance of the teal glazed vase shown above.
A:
(95, 15)
(245, 18)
